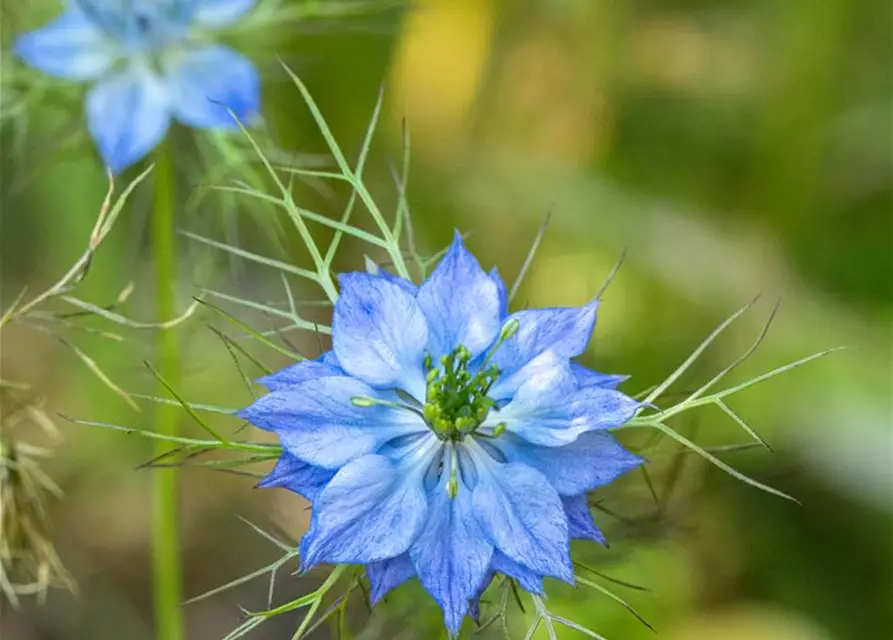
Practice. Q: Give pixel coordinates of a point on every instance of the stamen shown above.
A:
(456, 402)
(509, 329)
(365, 402)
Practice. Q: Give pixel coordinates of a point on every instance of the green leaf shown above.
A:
(697, 353)
(719, 463)
(603, 590)
(204, 425)
(253, 257)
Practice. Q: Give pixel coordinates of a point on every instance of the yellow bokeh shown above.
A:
(438, 69)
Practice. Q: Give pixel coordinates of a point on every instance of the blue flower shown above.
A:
(151, 62)
(444, 439)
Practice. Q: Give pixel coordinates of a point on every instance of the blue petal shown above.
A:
(70, 47)
(208, 82)
(474, 606)
(589, 378)
(388, 574)
(565, 330)
(300, 372)
(219, 13)
(452, 554)
(142, 26)
(579, 519)
(502, 293)
(372, 510)
(461, 303)
(549, 410)
(317, 422)
(112, 17)
(593, 460)
(375, 270)
(296, 475)
(547, 371)
(529, 581)
(128, 115)
(522, 515)
(379, 333)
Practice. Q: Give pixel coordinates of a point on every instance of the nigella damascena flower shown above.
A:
(151, 61)
(444, 439)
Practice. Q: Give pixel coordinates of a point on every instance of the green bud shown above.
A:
(509, 329)
(466, 423)
(499, 429)
(362, 402)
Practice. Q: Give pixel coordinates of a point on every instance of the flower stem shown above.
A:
(167, 571)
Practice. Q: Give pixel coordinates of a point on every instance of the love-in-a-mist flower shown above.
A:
(444, 438)
(152, 61)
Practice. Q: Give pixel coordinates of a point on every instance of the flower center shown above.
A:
(456, 401)
(154, 28)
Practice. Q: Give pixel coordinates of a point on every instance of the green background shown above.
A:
(733, 148)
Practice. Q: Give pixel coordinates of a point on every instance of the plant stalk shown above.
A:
(167, 569)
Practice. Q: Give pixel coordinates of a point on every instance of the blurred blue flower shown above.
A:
(152, 61)
(444, 438)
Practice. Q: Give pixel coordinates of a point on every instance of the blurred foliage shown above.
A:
(733, 148)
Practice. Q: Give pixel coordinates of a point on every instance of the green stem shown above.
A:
(168, 589)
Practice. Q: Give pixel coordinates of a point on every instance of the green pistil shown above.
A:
(456, 402)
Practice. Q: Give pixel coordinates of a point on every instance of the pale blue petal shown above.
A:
(549, 410)
(523, 517)
(371, 510)
(128, 114)
(219, 13)
(317, 422)
(300, 372)
(330, 359)
(401, 282)
(502, 293)
(593, 460)
(588, 378)
(579, 519)
(208, 82)
(379, 333)
(529, 581)
(142, 26)
(296, 475)
(71, 47)
(387, 575)
(374, 269)
(452, 554)
(548, 373)
(564, 330)
(461, 303)
(113, 17)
